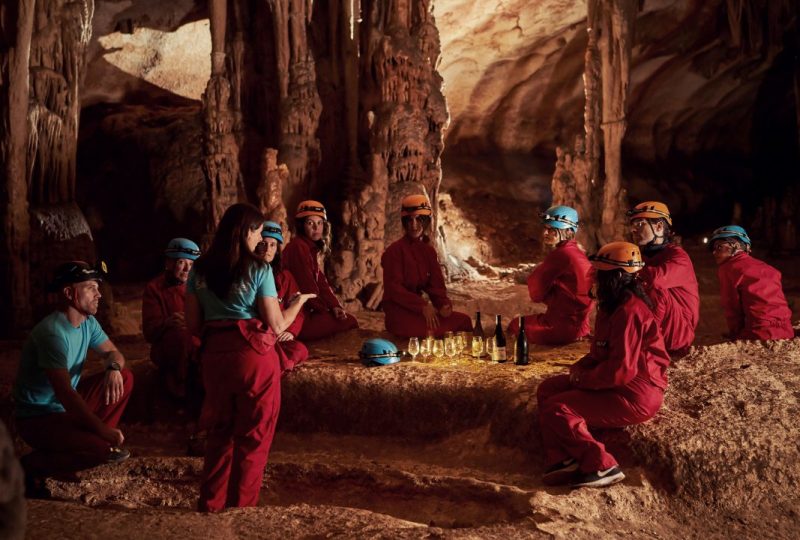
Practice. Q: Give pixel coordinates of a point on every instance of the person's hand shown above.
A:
(112, 435)
(302, 298)
(429, 312)
(285, 336)
(339, 313)
(113, 387)
(446, 311)
(177, 319)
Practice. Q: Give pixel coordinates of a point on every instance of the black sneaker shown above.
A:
(600, 478)
(117, 455)
(560, 472)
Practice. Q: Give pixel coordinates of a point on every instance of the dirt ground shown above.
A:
(450, 449)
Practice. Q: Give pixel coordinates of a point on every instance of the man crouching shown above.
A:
(71, 423)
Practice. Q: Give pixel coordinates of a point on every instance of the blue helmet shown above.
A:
(729, 231)
(182, 248)
(560, 217)
(379, 352)
(272, 230)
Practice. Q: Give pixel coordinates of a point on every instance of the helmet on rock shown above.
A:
(618, 255)
(729, 231)
(379, 352)
(560, 217)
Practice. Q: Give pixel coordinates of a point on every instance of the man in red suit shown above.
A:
(173, 348)
(562, 281)
(750, 289)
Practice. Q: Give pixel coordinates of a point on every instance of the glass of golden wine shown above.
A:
(413, 347)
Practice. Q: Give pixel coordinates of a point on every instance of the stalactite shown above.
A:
(300, 105)
(220, 151)
(57, 61)
(16, 29)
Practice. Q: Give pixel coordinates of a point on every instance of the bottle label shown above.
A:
(500, 354)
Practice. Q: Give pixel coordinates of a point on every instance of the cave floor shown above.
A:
(415, 450)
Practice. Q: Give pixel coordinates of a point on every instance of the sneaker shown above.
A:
(600, 478)
(117, 455)
(560, 472)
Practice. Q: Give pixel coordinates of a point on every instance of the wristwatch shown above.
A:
(114, 366)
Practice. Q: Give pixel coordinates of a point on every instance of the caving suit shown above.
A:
(300, 258)
(562, 281)
(290, 352)
(669, 279)
(620, 382)
(172, 348)
(241, 375)
(411, 267)
(753, 300)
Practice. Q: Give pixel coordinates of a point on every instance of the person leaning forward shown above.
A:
(70, 421)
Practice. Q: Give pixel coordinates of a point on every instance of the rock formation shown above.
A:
(13, 510)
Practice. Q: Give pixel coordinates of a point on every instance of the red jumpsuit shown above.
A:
(668, 277)
(242, 378)
(290, 352)
(562, 281)
(753, 300)
(300, 258)
(409, 268)
(172, 347)
(620, 382)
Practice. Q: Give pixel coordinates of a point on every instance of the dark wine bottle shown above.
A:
(499, 354)
(478, 337)
(521, 352)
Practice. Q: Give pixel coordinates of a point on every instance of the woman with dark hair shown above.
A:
(232, 301)
(303, 256)
(290, 351)
(411, 267)
(619, 383)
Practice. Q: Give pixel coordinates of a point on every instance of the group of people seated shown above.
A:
(237, 316)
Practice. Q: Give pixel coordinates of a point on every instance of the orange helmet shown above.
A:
(415, 205)
(650, 210)
(311, 208)
(622, 255)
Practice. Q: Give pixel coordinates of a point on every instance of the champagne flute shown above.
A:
(425, 348)
(490, 348)
(413, 347)
(438, 348)
(477, 347)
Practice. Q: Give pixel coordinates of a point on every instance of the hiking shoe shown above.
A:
(117, 455)
(600, 478)
(560, 472)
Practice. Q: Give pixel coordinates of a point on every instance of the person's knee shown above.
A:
(127, 380)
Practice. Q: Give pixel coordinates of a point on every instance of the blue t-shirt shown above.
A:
(53, 344)
(241, 302)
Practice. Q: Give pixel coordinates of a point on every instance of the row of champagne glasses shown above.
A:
(452, 345)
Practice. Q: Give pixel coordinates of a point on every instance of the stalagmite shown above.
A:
(220, 151)
(270, 193)
(15, 44)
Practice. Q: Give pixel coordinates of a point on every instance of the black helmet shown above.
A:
(77, 272)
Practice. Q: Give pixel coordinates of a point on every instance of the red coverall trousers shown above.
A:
(566, 414)
(241, 374)
(405, 323)
(322, 324)
(61, 443)
(541, 331)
